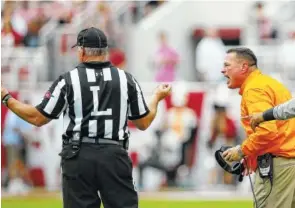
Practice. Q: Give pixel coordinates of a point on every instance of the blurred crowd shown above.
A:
(141, 9)
(210, 45)
(23, 20)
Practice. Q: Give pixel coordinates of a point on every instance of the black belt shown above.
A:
(99, 141)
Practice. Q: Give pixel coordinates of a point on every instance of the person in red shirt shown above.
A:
(223, 127)
(9, 36)
(117, 58)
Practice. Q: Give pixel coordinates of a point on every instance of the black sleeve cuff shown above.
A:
(268, 115)
(44, 113)
(139, 116)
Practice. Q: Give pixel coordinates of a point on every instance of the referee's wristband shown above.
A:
(5, 99)
(268, 115)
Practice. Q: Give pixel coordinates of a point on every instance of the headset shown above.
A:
(237, 168)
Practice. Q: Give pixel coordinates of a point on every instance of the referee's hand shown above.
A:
(4, 91)
(162, 91)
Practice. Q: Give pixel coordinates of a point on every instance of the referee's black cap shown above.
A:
(91, 38)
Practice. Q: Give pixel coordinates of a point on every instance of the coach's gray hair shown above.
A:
(95, 51)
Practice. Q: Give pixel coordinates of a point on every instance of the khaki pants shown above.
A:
(283, 190)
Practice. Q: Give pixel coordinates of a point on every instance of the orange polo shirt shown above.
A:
(259, 93)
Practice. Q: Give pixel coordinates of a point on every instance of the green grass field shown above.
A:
(30, 202)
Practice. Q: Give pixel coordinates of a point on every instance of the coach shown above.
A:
(272, 147)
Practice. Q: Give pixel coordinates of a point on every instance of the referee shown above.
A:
(96, 99)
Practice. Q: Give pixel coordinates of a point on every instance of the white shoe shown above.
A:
(12, 188)
(17, 187)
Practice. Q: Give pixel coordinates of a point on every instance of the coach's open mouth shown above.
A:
(228, 79)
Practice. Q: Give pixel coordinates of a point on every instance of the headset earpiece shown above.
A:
(235, 168)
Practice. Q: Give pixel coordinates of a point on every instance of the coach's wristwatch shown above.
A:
(6, 98)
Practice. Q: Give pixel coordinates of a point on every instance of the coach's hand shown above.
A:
(233, 154)
(162, 91)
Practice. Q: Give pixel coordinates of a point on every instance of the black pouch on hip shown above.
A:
(265, 165)
(72, 149)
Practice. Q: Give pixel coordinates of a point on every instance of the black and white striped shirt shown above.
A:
(96, 99)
